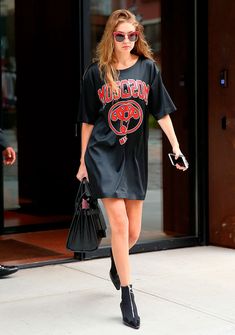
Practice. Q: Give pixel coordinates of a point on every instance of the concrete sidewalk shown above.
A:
(189, 291)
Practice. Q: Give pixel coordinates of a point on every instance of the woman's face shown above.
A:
(124, 37)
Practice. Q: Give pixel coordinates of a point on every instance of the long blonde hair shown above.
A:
(105, 50)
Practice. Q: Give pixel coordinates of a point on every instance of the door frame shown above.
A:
(201, 120)
(200, 197)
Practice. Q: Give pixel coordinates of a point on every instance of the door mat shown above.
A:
(11, 250)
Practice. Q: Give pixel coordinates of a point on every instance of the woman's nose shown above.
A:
(126, 38)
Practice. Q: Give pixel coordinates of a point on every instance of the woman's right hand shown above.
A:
(82, 172)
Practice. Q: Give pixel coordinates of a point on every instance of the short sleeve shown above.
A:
(89, 103)
(160, 103)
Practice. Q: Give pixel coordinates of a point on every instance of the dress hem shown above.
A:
(120, 196)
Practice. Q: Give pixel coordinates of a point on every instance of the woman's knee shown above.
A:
(119, 225)
(117, 215)
(133, 236)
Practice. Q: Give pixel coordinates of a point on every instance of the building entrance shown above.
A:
(45, 51)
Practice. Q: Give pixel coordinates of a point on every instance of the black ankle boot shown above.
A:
(128, 307)
(113, 273)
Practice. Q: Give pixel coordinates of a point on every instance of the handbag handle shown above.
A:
(87, 188)
(84, 189)
(80, 193)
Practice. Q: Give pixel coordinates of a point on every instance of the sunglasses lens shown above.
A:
(132, 37)
(120, 37)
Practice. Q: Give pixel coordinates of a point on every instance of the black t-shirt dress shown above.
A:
(117, 153)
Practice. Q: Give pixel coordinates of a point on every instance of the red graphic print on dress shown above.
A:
(125, 117)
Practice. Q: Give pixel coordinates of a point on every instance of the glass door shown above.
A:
(8, 102)
(38, 111)
(37, 115)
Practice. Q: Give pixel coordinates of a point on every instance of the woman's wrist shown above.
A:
(176, 149)
(175, 145)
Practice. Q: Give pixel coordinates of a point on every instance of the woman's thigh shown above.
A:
(116, 212)
(134, 209)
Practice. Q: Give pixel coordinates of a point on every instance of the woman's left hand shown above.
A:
(176, 150)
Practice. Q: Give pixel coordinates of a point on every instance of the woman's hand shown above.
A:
(9, 156)
(167, 126)
(82, 172)
(176, 150)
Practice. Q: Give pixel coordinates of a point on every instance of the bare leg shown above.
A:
(128, 306)
(118, 219)
(125, 221)
(134, 210)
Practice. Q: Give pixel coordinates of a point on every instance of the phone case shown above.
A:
(171, 157)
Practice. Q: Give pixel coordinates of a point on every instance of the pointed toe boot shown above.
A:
(128, 306)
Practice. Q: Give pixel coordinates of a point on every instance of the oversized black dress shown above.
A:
(116, 157)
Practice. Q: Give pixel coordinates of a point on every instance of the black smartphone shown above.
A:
(181, 160)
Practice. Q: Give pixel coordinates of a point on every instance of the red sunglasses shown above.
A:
(120, 37)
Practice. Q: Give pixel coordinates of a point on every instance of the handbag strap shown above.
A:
(80, 193)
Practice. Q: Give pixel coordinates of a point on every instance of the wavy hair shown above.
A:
(105, 49)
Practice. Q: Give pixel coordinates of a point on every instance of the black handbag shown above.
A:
(88, 225)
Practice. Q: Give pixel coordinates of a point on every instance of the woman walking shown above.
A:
(119, 91)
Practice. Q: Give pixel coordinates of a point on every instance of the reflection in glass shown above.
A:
(8, 108)
(31, 196)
